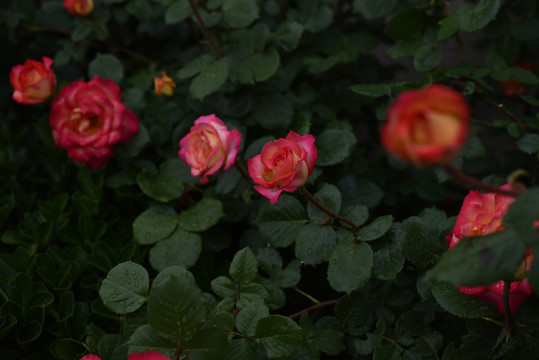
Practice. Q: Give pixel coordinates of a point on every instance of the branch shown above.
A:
(313, 308)
(205, 31)
(474, 183)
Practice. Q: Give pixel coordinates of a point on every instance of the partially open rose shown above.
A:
(87, 119)
(33, 81)
(427, 126)
(148, 355)
(209, 146)
(283, 165)
(164, 85)
(482, 214)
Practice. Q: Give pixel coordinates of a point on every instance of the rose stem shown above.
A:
(326, 210)
(478, 184)
(205, 31)
(305, 294)
(507, 113)
(313, 308)
(509, 324)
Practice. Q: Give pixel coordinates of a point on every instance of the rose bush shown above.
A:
(79, 7)
(148, 355)
(482, 214)
(427, 126)
(34, 82)
(283, 165)
(209, 147)
(88, 118)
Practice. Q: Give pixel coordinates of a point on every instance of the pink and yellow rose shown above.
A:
(79, 7)
(88, 118)
(427, 126)
(164, 85)
(34, 82)
(209, 146)
(482, 214)
(148, 355)
(283, 165)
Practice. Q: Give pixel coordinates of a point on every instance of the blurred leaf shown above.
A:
(273, 111)
(207, 344)
(406, 23)
(475, 17)
(178, 11)
(278, 335)
(480, 260)
(376, 90)
(525, 29)
(166, 186)
(427, 58)
(373, 9)
(459, 304)
(523, 213)
(334, 146)
(240, 13)
(107, 67)
(125, 289)
(145, 337)
(288, 35)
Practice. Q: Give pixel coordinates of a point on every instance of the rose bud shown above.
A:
(209, 147)
(482, 214)
(164, 85)
(283, 165)
(512, 87)
(79, 7)
(427, 126)
(88, 118)
(33, 81)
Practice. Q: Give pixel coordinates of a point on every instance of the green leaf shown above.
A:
(448, 26)
(523, 75)
(154, 224)
(224, 287)
(376, 229)
(407, 48)
(273, 111)
(278, 335)
(205, 214)
(373, 9)
(329, 196)
(68, 348)
(243, 349)
(208, 344)
(334, 146)
(288, 35)
(359, 214)
(315, 243)
(145, 338)
(176, 308)
(350, 266)
(194, 67)
(182, 248)
(125, 288)
(523, 213)
(330, 341)
(353, 311)
(244, 266)
(480, 260)
(525, 29)
(406, 23)
(240, 13)
(107, 67)
(374, 90)
(427, 58)
(476, 17)
(262, 66)
(211, 78)
(248, 317)
(165, 186)
(177, 12)
(281, 222)
(459, 304)
(388, 259)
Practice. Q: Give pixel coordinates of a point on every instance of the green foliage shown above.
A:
(139, 255)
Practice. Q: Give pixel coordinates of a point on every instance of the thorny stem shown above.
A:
(305, 294)
(509, 323)
(205, 30)
(478, 184)
(507, 112)
(316, 203)
(313, 308)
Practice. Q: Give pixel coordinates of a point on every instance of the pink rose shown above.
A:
(33, 81)
(209, 146)
(427, 126)
(283, 165)
(87, 119)
(482, 214)
(79, 7)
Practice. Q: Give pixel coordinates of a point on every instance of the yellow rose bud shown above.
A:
(164, 85)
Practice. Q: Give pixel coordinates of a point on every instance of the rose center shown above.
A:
(436, 128)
